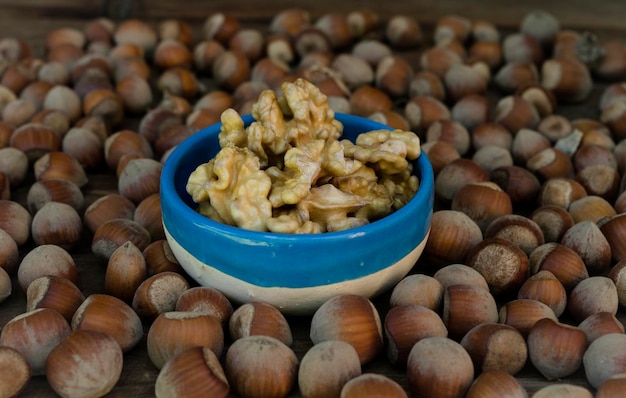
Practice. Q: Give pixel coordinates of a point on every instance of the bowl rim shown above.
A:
(290, 260)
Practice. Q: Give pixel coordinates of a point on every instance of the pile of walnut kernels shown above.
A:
(528, 216)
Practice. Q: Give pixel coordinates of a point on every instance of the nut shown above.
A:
(173, 332)
(483, 202)
(455, 175)
(60, 165)
(465, 306)
(258, 318)
(439, 367)
(522, 314)
(15, 220)
(520, 230)
(604, 358)
(148, 215)
(560, 192)
(564, 263)
(54, 292)
(460, 274)
(326, 367)
(9, 258)
(496, 382)
(544, 287)
(247, 369)
(336, 319)
(108, 314)
(125, 271)
(502, 263)
(159, 258)
(114, 233)
(372, 383)
(58, 224)
(452, 236)
(139, 179)
(521, 185)
(405, 325)
(591, 296)
(206, 379)
(85, 363)
(495, 346)
(417, 289)
(46, 260)
(158, 294)
(205, 300)
(421, 111)
(5, 285)
(599, 324)
(34, 334)
(450, 131)
(403, 31)
(591, 208)
(586, 239)
(556, 349)
(16, 372)
(106, 208)
(553, 220)
(35, 140)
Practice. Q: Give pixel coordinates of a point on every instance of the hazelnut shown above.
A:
(403, 31)
(148, 215)
(568, 78)
(593, 154)
(125, 142)
(14, 165)
(591, 208)
(542, 99)
(405, 325)
(489, 52)
(465, 306)
(417, 289)
(15, 220)
(372, 383)
(501, 262)
(16, 372)
(326, 367)
(556, 349)
(495, 382)
(249, 42)
(85, 146)
(106, 208)
(35, 140)
(126, 269)
(460, 274)
(520, 230)
(472, 110)
(108, 314)
(611, 387)
(159, 258)
(440, 153)
(113, 233)
(393, 75)
(335, 26)
(439, 366)
(564, 263)
(482, 202)
(462, 80)
(522, 314)
(9, 258)
(422, 111)
(206, 379)
(514, 76)
(450, 131)
(599, 324)
(368, 99)
(560, 192)
(205, 300)
(60, 165)
(46, 260)
(591, 296)
(158, 294)
(452, 26)
(553, 220)
(453, 234)
(427, 83)
(562, 390)
(516, 113)
(586, 239)
(495, 346)
(550, 163)
(311, 40)
(336, 319)
(248, 371)
(362, 21)
(139, 179)
(520, 185)
(173, 332)
(137, 32)
(455, 175)
(258, 318)
(64, 99)
(230, 69)
(181, 82)
(600, 180)
(392, 119)
(54, 292)
(220, 26)
(85, 363)
(99, 29)
(438, 60)
(519, 47)
(104, 102)
(604, 358)
(57, 223)
(135, 93)
(546, 288)
(34, 334)
(5, 285)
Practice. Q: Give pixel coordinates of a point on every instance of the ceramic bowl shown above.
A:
(294, 272)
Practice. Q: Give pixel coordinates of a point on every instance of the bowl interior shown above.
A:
(271, 259)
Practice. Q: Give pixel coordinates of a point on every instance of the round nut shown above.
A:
(258, 318)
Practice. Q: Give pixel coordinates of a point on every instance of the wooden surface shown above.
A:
(32, 19)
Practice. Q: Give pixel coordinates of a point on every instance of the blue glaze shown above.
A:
(290, 260)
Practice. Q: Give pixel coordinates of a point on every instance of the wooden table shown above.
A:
(32, 19)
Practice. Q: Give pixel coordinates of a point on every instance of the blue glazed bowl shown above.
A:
(294, 272)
